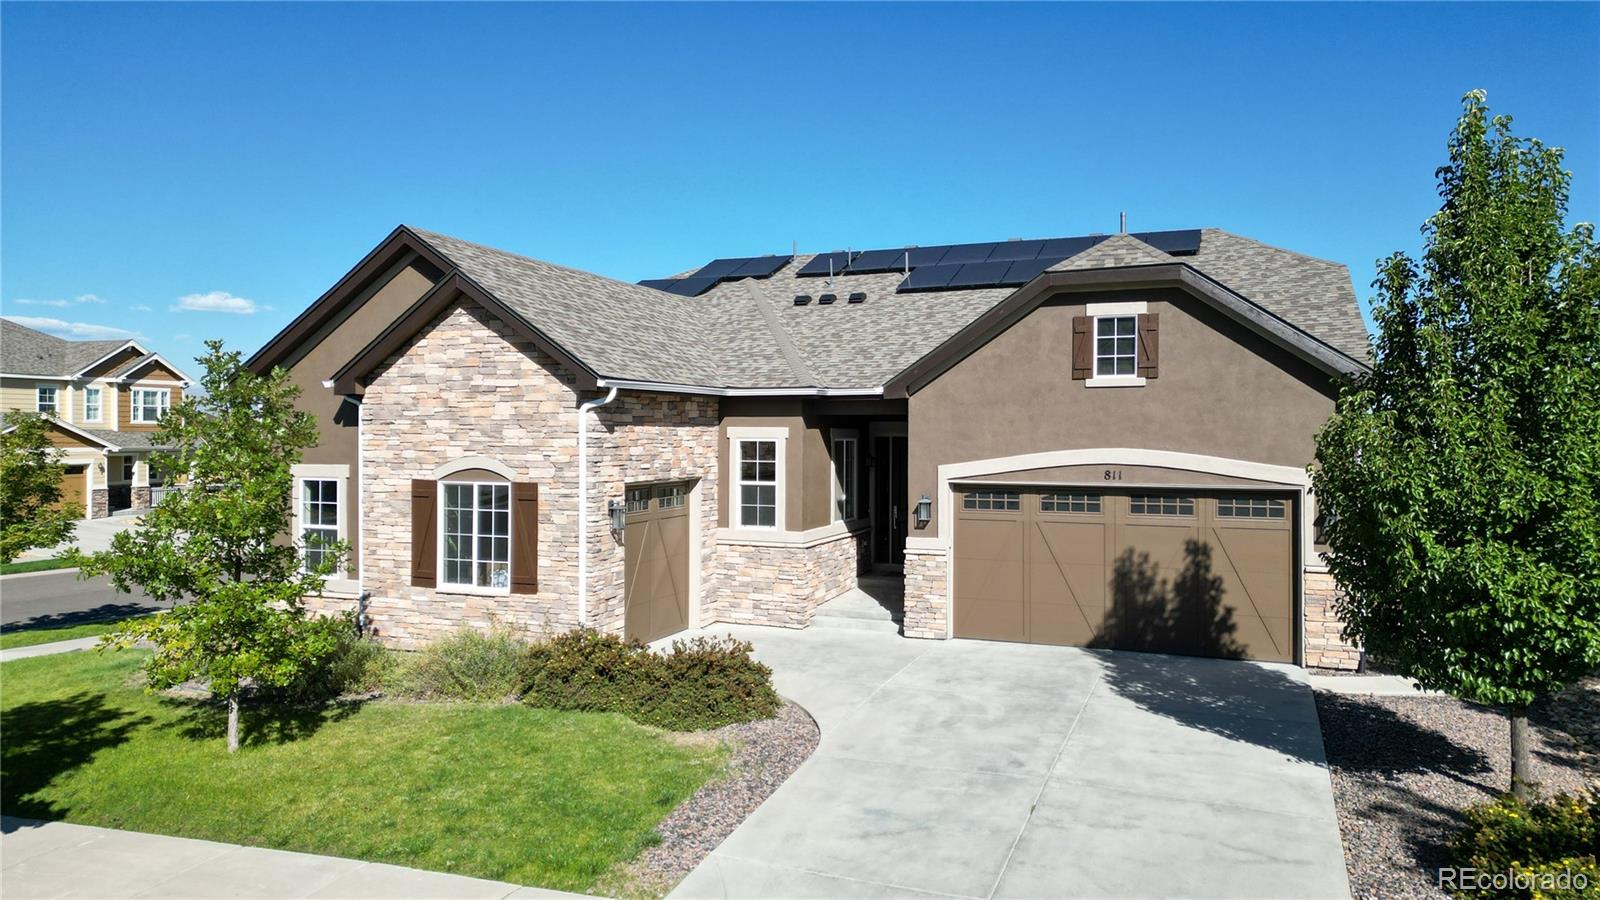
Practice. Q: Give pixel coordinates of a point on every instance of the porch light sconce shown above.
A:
(619, 514)
(924, 511)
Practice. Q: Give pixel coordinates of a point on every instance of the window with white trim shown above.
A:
(845, 502)
(1006, 500)
(149, 406)
(1160, 505)
(476, 535)
(758, 483)
(1115, 345)
(91, 404)
(1249, 507)
(45, 399)
(319, 519)
(1069, 503)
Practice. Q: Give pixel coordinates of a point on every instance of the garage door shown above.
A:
(656, 561)
(73, 484)
(1201, 574)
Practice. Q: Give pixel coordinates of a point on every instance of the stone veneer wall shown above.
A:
(1325, 646)
(140, 497)
(758, 585)
(99, 503)
(927, 607)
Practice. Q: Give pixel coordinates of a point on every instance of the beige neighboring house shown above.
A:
(104, 400)
(1099, 440)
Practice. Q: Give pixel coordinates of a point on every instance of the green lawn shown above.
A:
(32, 565)
(507, 792)
(33, 636)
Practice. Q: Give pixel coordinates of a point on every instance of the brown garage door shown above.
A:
(73, 484)
(656, 561)
(1202, 574)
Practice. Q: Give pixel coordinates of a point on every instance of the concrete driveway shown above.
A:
(976, 769)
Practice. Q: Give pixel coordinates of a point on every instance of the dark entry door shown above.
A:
(656, 561)
(889, 500)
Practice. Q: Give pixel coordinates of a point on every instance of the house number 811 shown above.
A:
(1113, 474)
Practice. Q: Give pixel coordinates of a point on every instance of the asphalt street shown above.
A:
(58, 598)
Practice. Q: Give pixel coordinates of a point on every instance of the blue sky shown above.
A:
(184, 171)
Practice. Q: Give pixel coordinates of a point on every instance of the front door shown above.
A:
(655, 544)
(889, 516)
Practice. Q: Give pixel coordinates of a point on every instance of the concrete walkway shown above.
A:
(977, 769)
(49, 649)
(54, 859)
(89, 535)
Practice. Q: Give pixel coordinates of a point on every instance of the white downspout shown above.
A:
(583, 503)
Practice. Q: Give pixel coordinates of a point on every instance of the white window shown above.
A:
(150, 406)
(91, 404)
(319, 519)
(758, 483)
(45, 399)
(1115, 345)
(844, 477)
(476, 545)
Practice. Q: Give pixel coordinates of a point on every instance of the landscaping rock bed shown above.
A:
(766, 752)
(1404, 767)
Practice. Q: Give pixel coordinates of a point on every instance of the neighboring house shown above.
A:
(104, 400)
(1099, 440)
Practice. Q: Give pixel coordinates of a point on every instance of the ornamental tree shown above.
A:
(217, 543)
(31, 512)
(1461, 476)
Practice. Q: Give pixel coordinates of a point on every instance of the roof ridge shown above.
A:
(1274, 247)
(780, 335)
(426, 234)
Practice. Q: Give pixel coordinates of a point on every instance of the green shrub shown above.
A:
(701, 683)
(1547, 837)
(471, 664)
(338, 672)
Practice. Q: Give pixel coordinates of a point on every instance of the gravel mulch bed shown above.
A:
(1405, 767)
(766, 753)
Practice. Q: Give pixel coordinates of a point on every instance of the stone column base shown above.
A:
(1325, 646)
(99, 503)
(927, 606)
(141, 498)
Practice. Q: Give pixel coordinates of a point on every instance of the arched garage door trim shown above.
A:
(1292, 478)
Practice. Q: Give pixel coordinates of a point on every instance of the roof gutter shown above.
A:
(583, 502)
(667, 387)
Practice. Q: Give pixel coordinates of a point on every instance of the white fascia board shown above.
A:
(133, 344)
(670, 388)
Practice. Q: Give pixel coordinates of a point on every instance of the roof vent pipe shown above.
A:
(1122, 226)
(583, 503)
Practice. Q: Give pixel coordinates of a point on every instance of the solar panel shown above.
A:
(692, 286)
(759, 267)
(1010, 250)
(967, 253)
(720, 268)
(819, 264)
(878, 261)
(659, 284)
(928, 256)
(1065, 247)
(1023, 271)
(929, 278)
(979, 274)
(1176, 243)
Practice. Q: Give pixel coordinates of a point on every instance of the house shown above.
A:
(104, 400)
(1097, 440)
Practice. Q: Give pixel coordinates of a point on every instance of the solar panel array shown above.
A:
(942, 268)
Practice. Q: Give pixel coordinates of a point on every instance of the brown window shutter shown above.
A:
(524, 538)
(1082, 348)
(1149, 345)
(424, 533)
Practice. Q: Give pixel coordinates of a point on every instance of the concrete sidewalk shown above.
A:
(49, 649)
(55, 859)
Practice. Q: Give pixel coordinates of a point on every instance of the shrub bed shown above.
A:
(701, 683)
(1545, 849)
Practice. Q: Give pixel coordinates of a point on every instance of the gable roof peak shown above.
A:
(1114, 252)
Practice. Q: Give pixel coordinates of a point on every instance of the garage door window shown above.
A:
(1247, 507)
(1160, 505)
(669, 496)
(1114, 345)
(1069, 503)
(758, 484)
(992, 500)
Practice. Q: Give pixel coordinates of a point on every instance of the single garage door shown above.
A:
(1200, 574)
(73, 485)
(655, 544)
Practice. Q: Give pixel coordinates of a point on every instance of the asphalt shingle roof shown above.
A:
(24, 351)
(750, 333)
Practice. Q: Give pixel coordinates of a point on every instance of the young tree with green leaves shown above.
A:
(1461, 476)
(216, 544)
(31, 512)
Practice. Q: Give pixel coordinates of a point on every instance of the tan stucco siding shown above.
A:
(1222, 391)
(808, 465)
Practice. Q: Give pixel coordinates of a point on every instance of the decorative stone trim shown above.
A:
(141, 497)
(1325, 645)
(99, 503)
(783, 586)
(927, 601)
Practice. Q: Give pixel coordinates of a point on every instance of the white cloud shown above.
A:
(78, 331)
(216, 301)
(56, 303)
(88, 298)
(140, 307)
